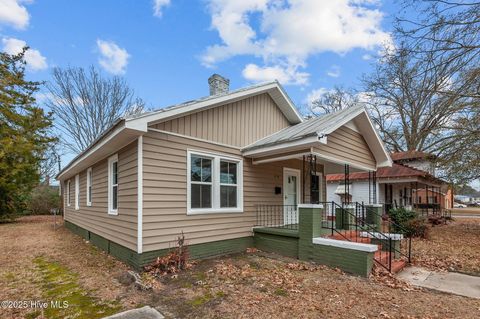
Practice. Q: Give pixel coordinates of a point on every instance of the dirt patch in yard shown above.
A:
(451, 247)
(40, 264)
(262, 286)
(37, 264)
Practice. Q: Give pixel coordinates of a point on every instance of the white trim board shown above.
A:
(140, 194)
(345, 244)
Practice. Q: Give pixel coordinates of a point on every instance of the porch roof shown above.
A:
(317, 131)
(316, 126)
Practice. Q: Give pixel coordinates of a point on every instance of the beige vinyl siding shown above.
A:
(165, 193)
(238, 124)
(121, 228)
(344, 144)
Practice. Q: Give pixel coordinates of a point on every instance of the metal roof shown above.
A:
(321, 125)
(212, 98)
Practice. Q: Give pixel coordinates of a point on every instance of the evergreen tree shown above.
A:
(24, 135)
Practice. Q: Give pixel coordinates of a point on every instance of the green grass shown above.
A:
(60, 284)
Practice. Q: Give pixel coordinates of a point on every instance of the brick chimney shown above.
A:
(218, 84)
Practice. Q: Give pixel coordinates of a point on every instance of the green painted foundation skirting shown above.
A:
(285, 244)
(295, 244)
(138, 261)
(349, 260)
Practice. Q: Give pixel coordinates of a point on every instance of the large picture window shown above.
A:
(214, 184)
(113, 185)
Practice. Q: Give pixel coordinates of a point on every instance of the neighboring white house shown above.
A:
(401, 185)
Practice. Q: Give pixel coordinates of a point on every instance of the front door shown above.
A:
(291, 195)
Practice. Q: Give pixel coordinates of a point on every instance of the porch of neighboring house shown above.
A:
(423, 196)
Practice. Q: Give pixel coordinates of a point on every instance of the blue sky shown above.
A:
(166, 50)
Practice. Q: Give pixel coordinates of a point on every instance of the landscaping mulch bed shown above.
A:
(38, 263)
(451, 247)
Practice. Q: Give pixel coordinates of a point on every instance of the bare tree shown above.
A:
(449, 32)
(334, 100)
(418, 99)
(85, 104)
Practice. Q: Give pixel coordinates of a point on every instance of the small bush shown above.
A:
(408, 223)
(173, 262)
(437, 220)
(401, 215)
(42, 199)
(416, 227)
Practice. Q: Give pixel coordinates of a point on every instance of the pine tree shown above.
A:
(24, 135)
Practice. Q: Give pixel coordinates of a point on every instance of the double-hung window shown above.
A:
(89, 186)
(113, 185)
(228, 184)
(69, 201)
(214, 183)
(77, 192)
(201, 182)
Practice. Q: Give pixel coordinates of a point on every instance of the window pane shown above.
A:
(206, 196)
(228, 196)
(201, 196)
(228, 172)
(196, 169)
(90, 194)
(114, 197)
(206, 170)
(114, 172)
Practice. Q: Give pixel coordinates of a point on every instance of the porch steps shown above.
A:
(382, 256)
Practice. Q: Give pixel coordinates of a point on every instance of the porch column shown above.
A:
(309, 227)
(374, 215)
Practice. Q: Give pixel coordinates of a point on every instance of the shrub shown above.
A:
(417, 227)
(173, 262)
(407, 222)
(401, 215)
(42, 199)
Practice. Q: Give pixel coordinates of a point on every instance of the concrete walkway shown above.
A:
(140, 313)
(451, 282)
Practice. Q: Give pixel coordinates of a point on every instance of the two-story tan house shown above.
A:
(205, 167)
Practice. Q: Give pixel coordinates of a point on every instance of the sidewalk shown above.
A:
(451, 282)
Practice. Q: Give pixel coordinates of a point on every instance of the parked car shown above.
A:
(458, 205)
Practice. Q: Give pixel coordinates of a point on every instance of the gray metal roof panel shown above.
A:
(316, 125)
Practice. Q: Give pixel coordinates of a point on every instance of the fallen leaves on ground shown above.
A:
(451, 247)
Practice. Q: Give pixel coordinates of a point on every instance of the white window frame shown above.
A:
(77, 192)
(112, 159)
(89, 186)
(216, 158)
(69, 199)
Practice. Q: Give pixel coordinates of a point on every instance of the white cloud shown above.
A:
(113, 58)
(315, 95)
(288, 75)
(158, 6)
(35, 60)
(13, 13)
(367, 57)
(290, 31)
(334, 71)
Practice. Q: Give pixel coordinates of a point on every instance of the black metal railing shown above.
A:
(355, 228)
(277, 216)
(389, 226)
